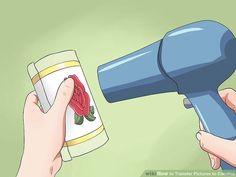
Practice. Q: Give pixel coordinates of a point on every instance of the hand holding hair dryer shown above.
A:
(192, 60)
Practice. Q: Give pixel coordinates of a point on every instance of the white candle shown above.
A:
(46, 75)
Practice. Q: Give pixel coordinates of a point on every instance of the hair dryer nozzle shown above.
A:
(134, 75)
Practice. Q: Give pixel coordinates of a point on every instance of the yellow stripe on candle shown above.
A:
(84, 138)
(52, 69)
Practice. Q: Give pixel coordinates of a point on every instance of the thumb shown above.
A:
(63, 97)
(219, 147)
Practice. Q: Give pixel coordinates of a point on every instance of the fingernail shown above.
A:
(212, 163)
(198, 136)
(69, 83)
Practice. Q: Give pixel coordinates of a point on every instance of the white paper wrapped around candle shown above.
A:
(82, 134)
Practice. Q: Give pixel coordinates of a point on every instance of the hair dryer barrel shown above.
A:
(134, 75)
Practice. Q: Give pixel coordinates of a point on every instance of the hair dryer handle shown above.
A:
(217, 118)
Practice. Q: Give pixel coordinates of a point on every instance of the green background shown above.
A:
(153, 132)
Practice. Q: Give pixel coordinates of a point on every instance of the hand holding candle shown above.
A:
(44, 134)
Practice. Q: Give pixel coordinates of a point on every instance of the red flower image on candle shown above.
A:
(80, 102)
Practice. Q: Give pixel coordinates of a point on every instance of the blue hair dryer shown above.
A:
(192, 60)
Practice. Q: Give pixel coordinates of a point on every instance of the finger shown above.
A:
(31, 105)
(229, 97)
(223, 94)
(219, 147)
(63, 97)
(201, 126)
(215, 161)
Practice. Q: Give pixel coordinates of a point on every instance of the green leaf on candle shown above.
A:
(78, 119)
(92, 109)
(90, 117)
